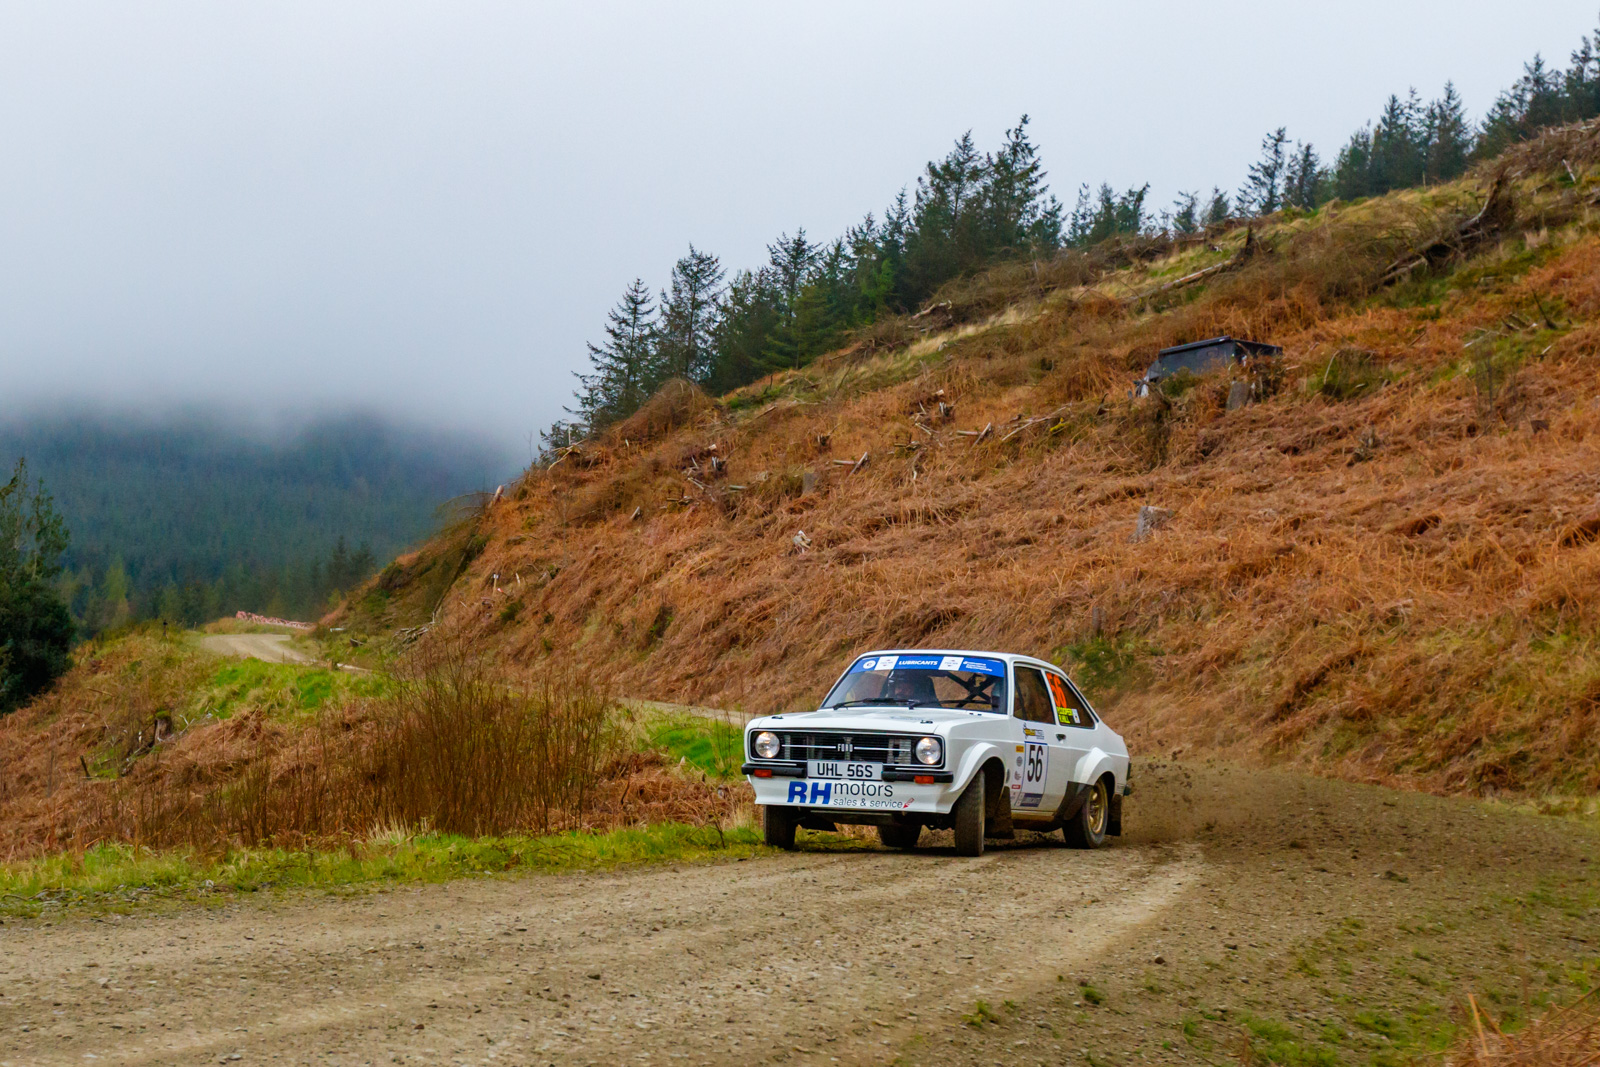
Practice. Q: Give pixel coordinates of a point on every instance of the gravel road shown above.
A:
(834, 956)
(704, 963)
(274, 648)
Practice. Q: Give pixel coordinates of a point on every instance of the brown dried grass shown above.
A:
(1567, 148)
(1385, 587)
(1563, 1037)
(460, 746)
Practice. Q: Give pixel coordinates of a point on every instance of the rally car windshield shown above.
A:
(965, 683)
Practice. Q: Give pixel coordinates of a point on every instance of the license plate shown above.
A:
(844, 769)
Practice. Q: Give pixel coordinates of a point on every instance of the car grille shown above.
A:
(855, 748)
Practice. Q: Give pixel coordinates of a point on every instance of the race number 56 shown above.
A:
(1035, 766)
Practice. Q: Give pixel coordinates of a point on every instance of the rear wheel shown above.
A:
(968, 814)
(900, 835)
(1087, 829)
(778, 826)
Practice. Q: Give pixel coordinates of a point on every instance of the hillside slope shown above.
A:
(1384, 569)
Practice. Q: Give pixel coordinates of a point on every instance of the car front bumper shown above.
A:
(842, 797)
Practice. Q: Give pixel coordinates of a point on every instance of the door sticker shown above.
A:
(1035, 769)
(1066, 714)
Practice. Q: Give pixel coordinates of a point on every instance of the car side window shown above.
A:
(1033, 697)
(1070, 707)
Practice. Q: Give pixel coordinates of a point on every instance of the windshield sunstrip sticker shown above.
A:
(970, 664)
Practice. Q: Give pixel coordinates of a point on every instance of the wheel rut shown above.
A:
(814, 955)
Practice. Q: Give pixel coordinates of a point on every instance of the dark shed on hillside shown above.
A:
(1202, 357)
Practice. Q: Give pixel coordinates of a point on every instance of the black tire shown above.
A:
(1087, 829)
(900, 835)
(968, 814)
(778, 825)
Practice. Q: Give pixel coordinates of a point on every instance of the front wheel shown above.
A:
(968, 814)
(778, 826)
(1087, 829)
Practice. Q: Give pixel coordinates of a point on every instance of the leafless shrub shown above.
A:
(458, 747)
(1565, 1037)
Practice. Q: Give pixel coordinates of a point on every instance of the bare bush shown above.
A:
(1565, 1037)
(466, 750)
(459, 747)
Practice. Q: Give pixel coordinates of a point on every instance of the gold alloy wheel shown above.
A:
(1097, 806)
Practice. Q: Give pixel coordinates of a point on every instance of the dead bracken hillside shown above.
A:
(1387, 568)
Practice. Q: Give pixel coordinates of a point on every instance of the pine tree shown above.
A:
(1398, 152)
(888, 284)
(36, 627)
(1302, 186)
(113, 608)
(1129, 216)
(1021, 215)
(1109, 214)
(620, 368)
(32, 536)
(688, 318)
(1448, 137)
(1534, 101)
(791, 260)
(362, 563)
(561, 434)
(870, 286)
(1581, 84)
(1081, 222)
(1262, 192)
(944, 234)
(746, 321)
(1186, 213)
(338, 572)
(1218, 210)
(1352, 171)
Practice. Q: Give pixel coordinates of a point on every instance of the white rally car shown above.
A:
(978, 742)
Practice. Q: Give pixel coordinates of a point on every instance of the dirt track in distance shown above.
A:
(1267, 896)
(274, 648)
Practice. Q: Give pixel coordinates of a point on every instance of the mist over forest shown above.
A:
(186, 517)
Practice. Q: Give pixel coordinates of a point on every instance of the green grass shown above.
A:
(1351, 374)
(1105, 666)
(117, 876)
(286, 690)
(714, 747)
(1276, 1043)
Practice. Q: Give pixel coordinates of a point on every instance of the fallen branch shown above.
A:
(1497, 211)
(1238, 259)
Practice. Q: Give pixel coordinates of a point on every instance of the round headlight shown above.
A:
(929, 750)
(766, 744)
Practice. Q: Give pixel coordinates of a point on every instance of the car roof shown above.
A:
(1012, 657)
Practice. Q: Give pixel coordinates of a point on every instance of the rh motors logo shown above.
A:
(832, 792)
(821, 792)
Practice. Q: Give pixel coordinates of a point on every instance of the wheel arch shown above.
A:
(994, 782)
(986, 756)
(1097, 764)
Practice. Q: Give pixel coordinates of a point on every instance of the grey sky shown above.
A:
(429, 207)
